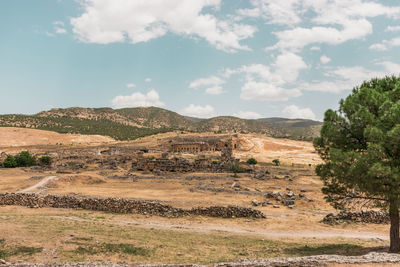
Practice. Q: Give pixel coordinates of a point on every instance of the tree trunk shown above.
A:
(394, 227)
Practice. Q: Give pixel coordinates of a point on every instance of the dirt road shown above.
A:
(38, 185)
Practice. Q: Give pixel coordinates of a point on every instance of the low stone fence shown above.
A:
(376, 217)
(122, 205)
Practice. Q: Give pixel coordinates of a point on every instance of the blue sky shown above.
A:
(203, 58)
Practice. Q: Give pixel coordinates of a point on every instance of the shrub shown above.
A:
(276, 162)
(10, 162)
(252, 161)
(45, 161)
(25, 159)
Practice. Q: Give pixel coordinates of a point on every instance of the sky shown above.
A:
(200, 58)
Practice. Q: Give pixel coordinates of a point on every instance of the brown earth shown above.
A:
(15, 137)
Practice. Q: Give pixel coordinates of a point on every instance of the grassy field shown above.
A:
(45, 235)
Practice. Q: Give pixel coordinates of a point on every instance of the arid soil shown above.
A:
(81, 235)
(16, 137)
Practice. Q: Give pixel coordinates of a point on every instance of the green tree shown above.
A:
(25, 159)
(360, 149)
(252, 161)
(276, 162)
(10, 162)
(45, 161)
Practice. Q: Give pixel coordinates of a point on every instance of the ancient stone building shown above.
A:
(202, 144)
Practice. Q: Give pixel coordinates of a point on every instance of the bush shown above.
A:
(252, 161)
(235, 168)
(45, 161)
(10, 162)
(276, 162)
(25, 159)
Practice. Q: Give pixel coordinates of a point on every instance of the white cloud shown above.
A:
(386, 44)
(350, 15)
(209, 81)
(198, 111)
(267, 92)
(59, 27)
(378, 47)
(216, 90)
(147, 80)
(295, 112)
(392, 29)
(108, 21)
(212, 85)
(130, 85)
(274, 12)
(264, 84)
(138, 99)
(60, 30)
(345, 78)
(288, 66)
(324, 59)
(250, 115)
(315, 48)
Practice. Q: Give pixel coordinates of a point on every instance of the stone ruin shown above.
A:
(123, 205)
(179, 164)
(188, 145)
(371, 216)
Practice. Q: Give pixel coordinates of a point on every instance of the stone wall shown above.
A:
(376, 217)
(122, 205)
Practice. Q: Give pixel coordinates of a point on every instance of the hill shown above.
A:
(131, 123)
(294, 128)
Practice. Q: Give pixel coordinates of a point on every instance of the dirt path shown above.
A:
(38, 185)
(211, 228)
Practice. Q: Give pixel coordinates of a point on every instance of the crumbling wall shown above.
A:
(122, 205)
(376, 217)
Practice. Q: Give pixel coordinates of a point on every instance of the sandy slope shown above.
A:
(13, 137)
(266, 149)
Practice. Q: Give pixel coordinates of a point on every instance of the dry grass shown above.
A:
(94, 236)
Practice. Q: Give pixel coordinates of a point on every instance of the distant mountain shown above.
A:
(131, 123)
(294, 128)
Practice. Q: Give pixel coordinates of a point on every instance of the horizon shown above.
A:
(32, 114)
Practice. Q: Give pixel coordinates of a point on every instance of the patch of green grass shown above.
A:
(8, 251)
(112, 248)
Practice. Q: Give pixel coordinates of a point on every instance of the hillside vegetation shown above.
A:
(132, 123)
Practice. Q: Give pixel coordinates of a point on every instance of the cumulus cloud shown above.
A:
(386, 44)
(198, 111)
(138, 99)
(334, 21)
(130, 85)
(250, 115)
(212, 85)
(264, 83)
(378, 47)
(109, 21)
(266, 91)
(295, 112)
(324, 59)
(345, 78)
(147, 80)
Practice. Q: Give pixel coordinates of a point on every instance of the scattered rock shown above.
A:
(255, 203)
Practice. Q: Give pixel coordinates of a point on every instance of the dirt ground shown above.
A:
(76, 235)
(16, 137)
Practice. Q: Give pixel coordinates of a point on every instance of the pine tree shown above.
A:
(360, 147)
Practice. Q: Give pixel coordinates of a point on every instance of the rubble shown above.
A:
(375, 217)
(123, 205)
